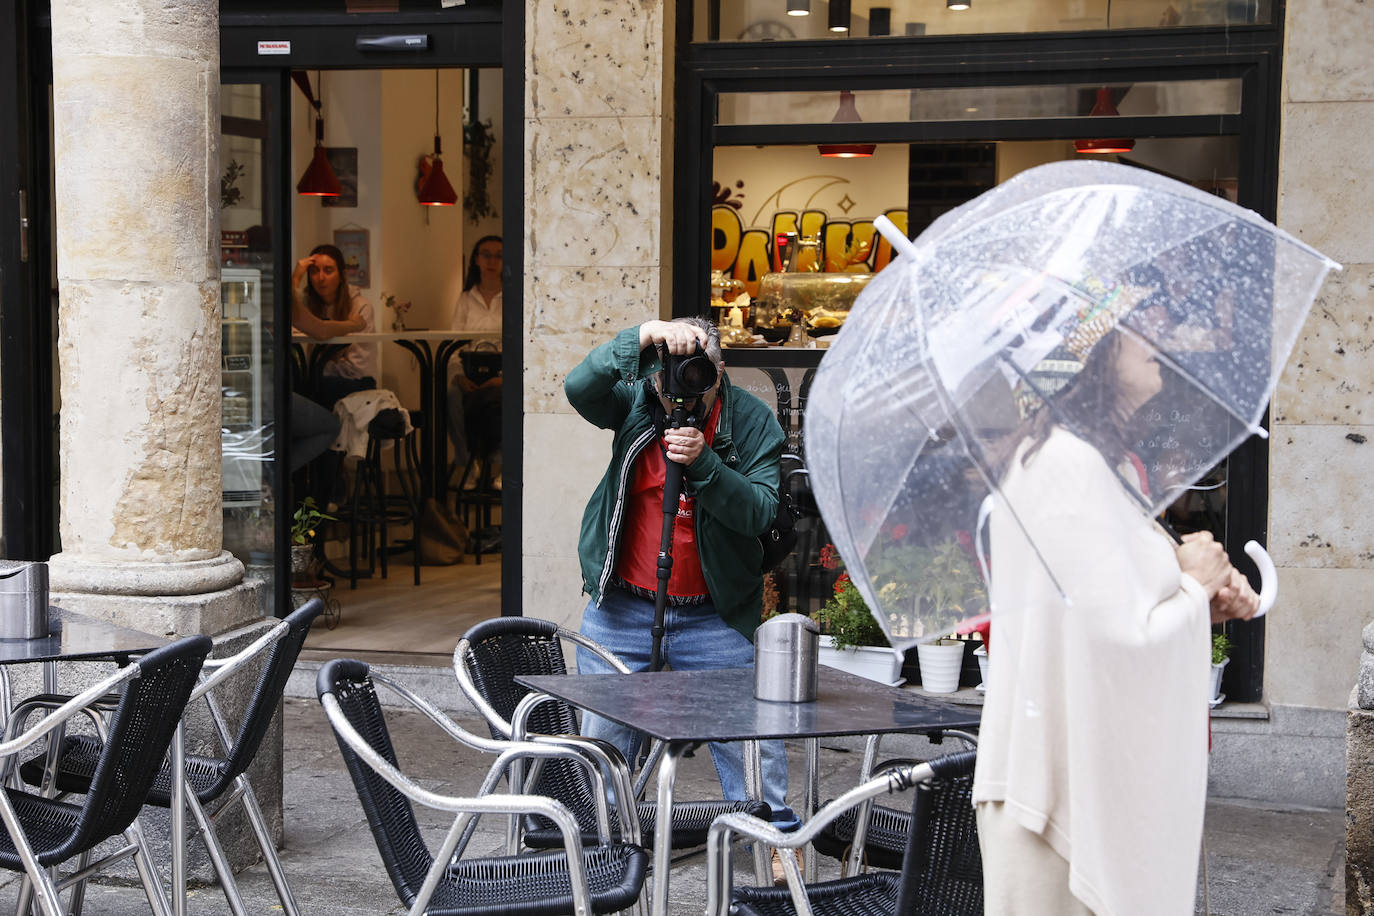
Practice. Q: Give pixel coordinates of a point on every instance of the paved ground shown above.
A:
(1260, 860)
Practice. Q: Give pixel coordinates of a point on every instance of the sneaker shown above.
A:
(779, 876)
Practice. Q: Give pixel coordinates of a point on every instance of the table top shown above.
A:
(74, 637)
(385, 336)
(720, 705)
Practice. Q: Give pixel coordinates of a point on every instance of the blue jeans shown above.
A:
(696, 639)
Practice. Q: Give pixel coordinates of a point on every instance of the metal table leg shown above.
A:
(663, 825)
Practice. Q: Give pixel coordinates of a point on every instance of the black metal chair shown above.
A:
(882, 843)
(42, 833)
(208, 778)
(487, 660)
(941, 870)
(372, 508)
(601, 878)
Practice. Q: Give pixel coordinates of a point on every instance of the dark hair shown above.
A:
(1092, 397)
(338, 309)
(474, 273)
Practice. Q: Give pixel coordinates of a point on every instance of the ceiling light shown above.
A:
(847, 113)
(839, 16)
(319, 179)
(799, 7)
(1104, 107)
(958, 4)
(435, 190)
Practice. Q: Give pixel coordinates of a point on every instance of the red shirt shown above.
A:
(637, 563)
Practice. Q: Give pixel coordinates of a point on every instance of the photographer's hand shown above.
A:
(683, 444)
(680, 339)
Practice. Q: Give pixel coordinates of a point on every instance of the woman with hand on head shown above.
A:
(1091, 780)
(324, 305)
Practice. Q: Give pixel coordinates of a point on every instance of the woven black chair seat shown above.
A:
(866, 895)
(691, 821)
(886, 841)
(80, 753)
(48, 824)
(537, 883)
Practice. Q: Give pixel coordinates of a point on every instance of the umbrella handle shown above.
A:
(1269, 578)
(895, 237)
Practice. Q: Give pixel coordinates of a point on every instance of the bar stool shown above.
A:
(474, 505)
(372, 508)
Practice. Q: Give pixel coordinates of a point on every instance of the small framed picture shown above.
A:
(344, 161)
(357, 263)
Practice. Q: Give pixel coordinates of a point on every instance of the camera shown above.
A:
(688, 376)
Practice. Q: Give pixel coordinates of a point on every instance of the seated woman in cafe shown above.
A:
(474, 408)
(324, 306)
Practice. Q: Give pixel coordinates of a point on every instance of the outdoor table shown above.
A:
(682, 708)
(433, 364)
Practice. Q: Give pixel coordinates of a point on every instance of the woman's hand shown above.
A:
(301, 271)
(1201, 557)
(1236, 600)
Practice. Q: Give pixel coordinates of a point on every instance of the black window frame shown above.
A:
(1253, 54)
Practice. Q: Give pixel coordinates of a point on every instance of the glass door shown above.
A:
(252, 418)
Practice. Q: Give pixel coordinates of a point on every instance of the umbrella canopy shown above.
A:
(992, 319)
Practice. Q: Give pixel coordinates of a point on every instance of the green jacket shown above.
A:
(735, 481)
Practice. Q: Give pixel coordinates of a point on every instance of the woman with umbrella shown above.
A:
(1092, 768)
(1085, 341)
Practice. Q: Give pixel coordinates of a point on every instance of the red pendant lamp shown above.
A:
(319, 179)
(435, 190)
(1104, 107)
(847, 114)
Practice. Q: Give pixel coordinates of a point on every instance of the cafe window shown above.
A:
(796, 20)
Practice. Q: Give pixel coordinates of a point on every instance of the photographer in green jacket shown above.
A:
(730, 495)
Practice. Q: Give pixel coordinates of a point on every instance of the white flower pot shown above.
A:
(941, 662)
(1216, 696)
(981, 653)
(877, 663)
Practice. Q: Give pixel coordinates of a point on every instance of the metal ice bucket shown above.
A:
(23, 600)
(785, 651)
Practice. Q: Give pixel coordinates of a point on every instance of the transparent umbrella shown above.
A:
(990, 313)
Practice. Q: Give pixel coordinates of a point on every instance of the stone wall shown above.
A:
(598, 129)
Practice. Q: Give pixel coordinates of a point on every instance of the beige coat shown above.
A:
(1094, 730)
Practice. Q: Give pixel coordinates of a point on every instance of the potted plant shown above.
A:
(304, 522)
(1221, 654)
(851, 638)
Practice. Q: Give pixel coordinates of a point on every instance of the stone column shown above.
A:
(136, 132)
(598, 239)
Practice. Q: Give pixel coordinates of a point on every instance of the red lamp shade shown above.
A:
(847, 113)
(1104, 108)
(319, 179)
(435, 190)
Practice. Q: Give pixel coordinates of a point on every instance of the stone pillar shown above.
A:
(136, 130)
(598, 240)
(136, 137)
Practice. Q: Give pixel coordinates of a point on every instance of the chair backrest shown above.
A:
(266, 698)
(498, 650)
(503, 647)
(942, 872)
(140, 733)
(389, 812)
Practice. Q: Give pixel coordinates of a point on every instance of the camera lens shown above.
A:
(694, 375)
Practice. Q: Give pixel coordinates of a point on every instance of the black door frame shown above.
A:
(461, 37)
(477, 35)
(1251, 53)
(27, 430)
